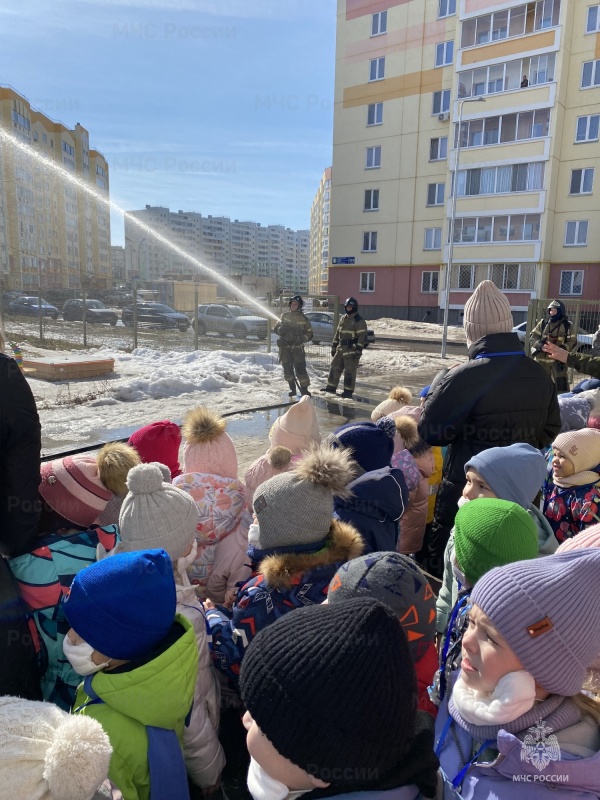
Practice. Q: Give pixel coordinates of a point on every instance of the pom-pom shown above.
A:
(280, 456)
(77, 761)
(387, 425)
(407, 428)
(401, 395)
(202, 425)
(114, 462)
(145, 479)
(327, 466)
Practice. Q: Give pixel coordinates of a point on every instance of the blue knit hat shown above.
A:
(372, 443)
(515, 473)
(425, 391)
(123, 606)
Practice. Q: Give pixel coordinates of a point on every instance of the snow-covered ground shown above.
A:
(415, 330)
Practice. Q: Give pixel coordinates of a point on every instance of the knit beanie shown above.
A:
(159, 441)
(47, 754)
(399, 396)
(295, 510)
(397, 582)
(277, 460)
(489, 533)
(581, 448)
(574, 412)
(72, 487)
(156, 514)
(343, 669)
(549, 617)
(298, 428)
(371, 443)
(514, 473)
(590, 537)
(207, 447)
(486, 311)
(123, 606)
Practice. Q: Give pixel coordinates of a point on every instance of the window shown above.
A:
(373, 157)
(571, 281)
(435, 194)
(444, 53)
(502, 179)
(429, 282)
(507, 128)
(35, 136)
(433, 240)
(367, 281)
(377, 69)
(507, 76)
(463, 277)
(375, 114)
(582, 181)
(369, 242)
(441, 102)
(438, 149)
(590, 75)
(68, 149)
(576, 233)
(379, 23)
(447, 8)
(593, 19)
(587, 128)
(371, 200)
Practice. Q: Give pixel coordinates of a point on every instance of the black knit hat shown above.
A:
(334, 690)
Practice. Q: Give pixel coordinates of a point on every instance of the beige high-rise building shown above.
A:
(50, 232)
(527, 193)
(318, 271)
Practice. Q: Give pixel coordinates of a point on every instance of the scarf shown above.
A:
(585, 478)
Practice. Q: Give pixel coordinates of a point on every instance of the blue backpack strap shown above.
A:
(168, 778)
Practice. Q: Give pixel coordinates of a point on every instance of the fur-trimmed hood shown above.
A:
(344, 543)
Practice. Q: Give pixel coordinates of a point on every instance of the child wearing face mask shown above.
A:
(140, 663)
(516, 721)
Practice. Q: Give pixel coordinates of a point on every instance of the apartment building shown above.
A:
(51, 232)
(319, 236)
(117, 263)
(524, 78)
(230, 247)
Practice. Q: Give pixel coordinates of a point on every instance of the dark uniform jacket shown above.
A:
(293, 329)
(351, 334)
(586, 364)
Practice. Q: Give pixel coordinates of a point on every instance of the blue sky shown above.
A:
(217, 106)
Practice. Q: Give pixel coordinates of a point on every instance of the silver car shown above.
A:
(224, 318)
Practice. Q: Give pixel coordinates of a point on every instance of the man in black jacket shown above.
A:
(499, 397)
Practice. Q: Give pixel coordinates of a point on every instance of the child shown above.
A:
(159, 441)
(397, 582)
(572, 494)
(415, 517)
(331, 698)
(399, 397)
(140, 663)
(210, 470)
(516, 713)
(115, 460)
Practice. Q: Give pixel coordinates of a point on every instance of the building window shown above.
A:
(590, 74)
(379, 23)
(369, 242)
(375, 114)
(441, 102)
(371, 200)
(367, 281)
(377, 69)
(373, 160)
(587, 128)
(508, 23)
(435, 194)
(446, 8)
(582, 181)
(502, 228)
(501, 180)
(433, 240)
(571, 281)
(576, 233)
(444, 53)
(507, 128)
(438, 148)
(496, 78)
(429, 282)
(463, 277)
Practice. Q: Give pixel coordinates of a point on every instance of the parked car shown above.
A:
(10, 297)
(156, 314)
(584, 339)
(223, 318)
(30, 307)
(95, 312)
(323, 328)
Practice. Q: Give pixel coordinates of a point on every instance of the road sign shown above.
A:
(344, 260)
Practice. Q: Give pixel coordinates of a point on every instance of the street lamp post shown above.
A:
(453, 219)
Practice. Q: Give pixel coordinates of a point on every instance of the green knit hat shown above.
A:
(490, 533)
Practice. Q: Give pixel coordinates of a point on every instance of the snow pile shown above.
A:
(404, 329)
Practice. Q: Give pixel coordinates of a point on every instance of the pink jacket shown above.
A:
(414, 520)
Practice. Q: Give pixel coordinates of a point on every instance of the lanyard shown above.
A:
(496, 355)
(458, 606)
(457, 782)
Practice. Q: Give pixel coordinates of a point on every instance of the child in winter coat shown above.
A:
(296, 548)
(572, 493)
(159, 441)
(140, 663)
(398, 398)
(516, 721)
(397, 582)
(331, 698)
(210, 471)
(157, 515)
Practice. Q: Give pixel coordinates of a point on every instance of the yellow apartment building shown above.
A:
(318, 269)
(524, 78)
(51, 233)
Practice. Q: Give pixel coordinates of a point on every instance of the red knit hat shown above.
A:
(160, 442)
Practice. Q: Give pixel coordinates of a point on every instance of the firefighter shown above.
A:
(294, 331)
(556, 329)
(346, 350)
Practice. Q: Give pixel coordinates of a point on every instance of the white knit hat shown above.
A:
(298, 428)
(486, 311)
(156, 514)
(47, 754)
(398, 398)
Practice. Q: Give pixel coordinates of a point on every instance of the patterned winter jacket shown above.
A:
(283, 582)
(223, 524)
(571, 510)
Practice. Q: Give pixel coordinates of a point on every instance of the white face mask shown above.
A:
(253, 533)
(262, 786)
(186, 561)
(80, 657)
(462, 500)
(513, 696)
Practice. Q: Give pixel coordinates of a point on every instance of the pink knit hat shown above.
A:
(72, 487)
(298, 428)
(486, 311)
(207, 447)
(397, 398)
(590, 537)
(276, 461)
(160, 442)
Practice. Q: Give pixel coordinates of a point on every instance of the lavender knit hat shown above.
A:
(548, 614)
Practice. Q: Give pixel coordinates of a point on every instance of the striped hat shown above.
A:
(72, 487)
